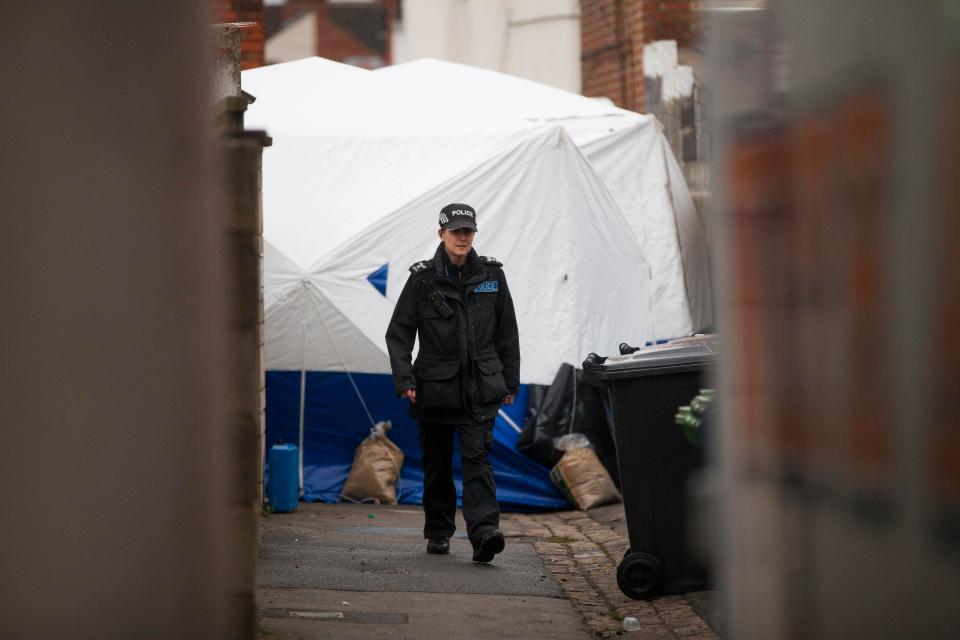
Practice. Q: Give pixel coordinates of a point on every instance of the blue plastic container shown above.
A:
(283, 490)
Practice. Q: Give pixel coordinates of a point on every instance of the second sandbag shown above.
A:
(581, 476)
(375, 470)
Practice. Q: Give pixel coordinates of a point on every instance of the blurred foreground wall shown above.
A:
(840, 244)
(116, 459)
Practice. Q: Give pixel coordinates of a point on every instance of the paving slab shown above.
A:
(341, 547)
(372, 557)
(325, 613)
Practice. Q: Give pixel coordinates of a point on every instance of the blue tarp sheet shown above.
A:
(335, 423)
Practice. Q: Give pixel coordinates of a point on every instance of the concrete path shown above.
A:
(359, 571)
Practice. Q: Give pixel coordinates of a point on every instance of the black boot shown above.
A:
(438, 545)
(490, 545)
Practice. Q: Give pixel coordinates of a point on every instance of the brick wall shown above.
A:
(671, 20)
(251, 42)
(612, 35)
(603, 65)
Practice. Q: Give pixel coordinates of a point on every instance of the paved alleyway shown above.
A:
(360, 571)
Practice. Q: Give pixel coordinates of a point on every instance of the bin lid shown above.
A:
(684, 354)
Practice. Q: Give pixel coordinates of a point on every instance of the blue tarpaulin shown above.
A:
(335, 423)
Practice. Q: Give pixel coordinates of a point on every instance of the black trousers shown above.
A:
(480, 508)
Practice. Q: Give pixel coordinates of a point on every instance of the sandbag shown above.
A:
(375, 470)
(583, 479)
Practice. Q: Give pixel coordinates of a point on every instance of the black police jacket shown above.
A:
(469, 356)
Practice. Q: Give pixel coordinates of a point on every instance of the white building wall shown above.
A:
(295, 41)
(544, 42)
(534, 39)
(398, 41)
(425, 28)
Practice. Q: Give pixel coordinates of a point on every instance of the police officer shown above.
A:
(467, 366)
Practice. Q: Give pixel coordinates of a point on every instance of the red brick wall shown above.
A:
(612, 36)
(251, 42)
(601, 63)
(671, 20)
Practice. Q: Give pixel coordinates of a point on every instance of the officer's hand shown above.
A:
(508, 399)
(411, 395)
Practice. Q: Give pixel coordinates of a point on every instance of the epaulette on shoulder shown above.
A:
(493, 262)
(420, 267)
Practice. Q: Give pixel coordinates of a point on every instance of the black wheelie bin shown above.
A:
(646, 387)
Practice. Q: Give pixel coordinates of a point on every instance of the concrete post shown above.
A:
(242, 159)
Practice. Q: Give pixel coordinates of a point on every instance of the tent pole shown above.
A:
(509, 420)
(303, 397)
(343, 363)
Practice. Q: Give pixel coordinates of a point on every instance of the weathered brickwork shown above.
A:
(612, 36)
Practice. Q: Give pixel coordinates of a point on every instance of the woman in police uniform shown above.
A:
(467, 366)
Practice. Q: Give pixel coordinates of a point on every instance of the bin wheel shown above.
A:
(639, 575)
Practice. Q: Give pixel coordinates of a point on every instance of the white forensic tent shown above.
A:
(352, 186)
(630, 154)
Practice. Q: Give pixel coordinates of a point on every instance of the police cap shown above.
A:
(458, 216)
